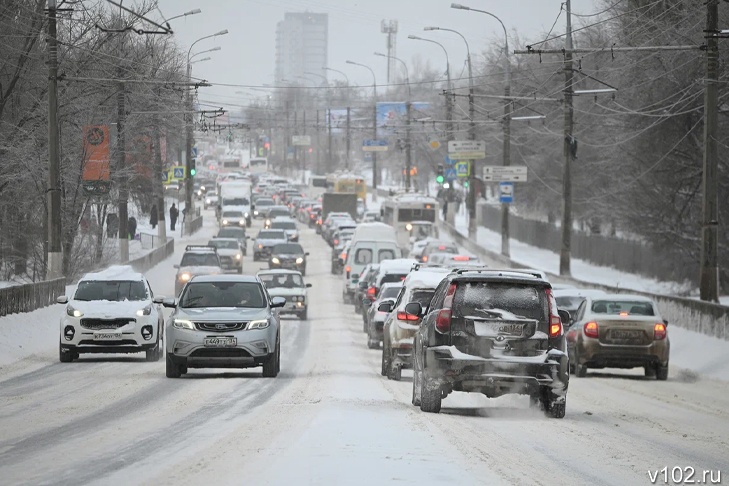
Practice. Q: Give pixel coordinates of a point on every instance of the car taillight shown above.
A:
(425, 258)
(371, 291)
(555, 323)
(591, 329)
(441, 247)
(404, 316)
(659, 331)
(461, 258)
(443, 319)
(336, 242)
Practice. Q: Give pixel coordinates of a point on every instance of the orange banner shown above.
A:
(96, 153)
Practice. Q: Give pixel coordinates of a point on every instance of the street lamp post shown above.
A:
(374, 126)
(471, 135)
(449, 98)
(408, 116)
(189, 127)
(506, 124)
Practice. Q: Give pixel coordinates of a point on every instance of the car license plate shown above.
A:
(221, 342)
(625, 334)
(107, 336)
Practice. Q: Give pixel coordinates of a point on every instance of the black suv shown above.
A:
(494, 332)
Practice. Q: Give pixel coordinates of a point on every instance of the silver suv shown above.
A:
(223, 321)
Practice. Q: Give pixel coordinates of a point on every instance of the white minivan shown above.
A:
(371, 243)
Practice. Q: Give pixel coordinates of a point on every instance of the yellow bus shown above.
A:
(339, 182)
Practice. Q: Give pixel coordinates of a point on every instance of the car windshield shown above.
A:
(264, 202)
(236, 201)
(571, 302)
(393, 277)
(223, 294)
(199, 260)
(229, 244)
(490, 300)
(232, 214)
(390, 292)
(632, 307)
(272, 235)
(113, 290)
(288, 248)
(284, 225)
(281, 280)
(232, 233)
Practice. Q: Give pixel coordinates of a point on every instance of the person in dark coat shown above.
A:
(112, 225)
(132, 227)
(173, 216)
(153, 218)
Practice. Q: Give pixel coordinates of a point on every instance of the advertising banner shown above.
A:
(96, 153)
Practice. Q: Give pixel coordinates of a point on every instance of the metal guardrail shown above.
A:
(32, 296)
(144, 263)
(192, 226)
(695, 315)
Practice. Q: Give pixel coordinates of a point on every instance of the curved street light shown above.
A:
(339, 72)
(374, 126)
(506, 125)
(191, 12)
(214, 49)
(407, 73)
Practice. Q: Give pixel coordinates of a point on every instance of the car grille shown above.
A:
(220, 353)
(226, 259)
(220, 326)
(96, 324)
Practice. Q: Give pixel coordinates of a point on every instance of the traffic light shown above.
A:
(466, 183)
(440, 175)
(193, 170)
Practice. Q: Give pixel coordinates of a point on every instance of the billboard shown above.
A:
(391, 114)
(96, 153)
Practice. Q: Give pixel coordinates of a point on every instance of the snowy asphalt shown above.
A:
(330, 418)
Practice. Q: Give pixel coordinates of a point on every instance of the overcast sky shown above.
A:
(248, 51)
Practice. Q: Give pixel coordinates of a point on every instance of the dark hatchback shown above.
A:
(290, 256)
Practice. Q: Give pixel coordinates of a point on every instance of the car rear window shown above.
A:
(422, 297)
(478, 298)
(272, 235)
(389, 293)
(383, 255)
(393, 277)
(569, 302)
(641, 308)
(112, 290)
(284, 225)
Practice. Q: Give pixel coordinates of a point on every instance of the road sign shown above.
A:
(449, 161)
(194, 152)
(466, 149)
(499, 173)
(165, 176)
(301, 140)
(178, 172)
(434, 144)
(372, 145)
(506, 192)
(463, 168)
(450, 174)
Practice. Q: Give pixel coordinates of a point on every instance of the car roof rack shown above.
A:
(498, 271)
(201, 247)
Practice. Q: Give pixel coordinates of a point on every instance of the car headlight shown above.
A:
(409, 227)
(246, 215)
(184, 324)
(260, 324)
(238, 256)
(275, 260)
(255, 213)
(299, 261)
(185, 277)
(225, 221)
(73, 312)
(242, 222)
(207, 201)
(145, 312)
(260, 246)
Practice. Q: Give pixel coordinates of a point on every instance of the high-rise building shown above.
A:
(301, 46)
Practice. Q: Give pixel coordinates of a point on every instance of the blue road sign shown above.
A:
(194, 152)
(178, 173)
(165, 175)
(372, 145)
(506, 192)
(368, 156)
(450, 173)
(449, 161)
(463, 168)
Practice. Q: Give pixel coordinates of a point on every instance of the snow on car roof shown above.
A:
(115, 272)
(392, 284)
(397, 264)
(425, 279)
(278, 271)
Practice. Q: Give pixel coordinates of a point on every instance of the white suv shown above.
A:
(113, 311)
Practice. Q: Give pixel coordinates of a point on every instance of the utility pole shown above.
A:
(55, 248)
(159, 188)
(306, 150)
(296, 147)
(330, 161)
(564, 256)
(349, 136)
(709, 276)
(375, 171)
(506, 125)
(122, 178)
(318, 145)
(471, 136)
(188, 149)
(287, 135)
(408, 144)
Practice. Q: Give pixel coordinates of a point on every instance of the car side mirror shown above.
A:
(170, 303)
(175, 266)
(62, 299)
(308, 286)
(414, 308)
(366, 302)
(278, 302)
(386, 306)
(306, 254)
(158, 300)
(665, 321)
(565, 316)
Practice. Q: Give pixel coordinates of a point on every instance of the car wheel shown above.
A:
(152, 354)
(415, 400)
(372, 344)
(580, 369)
(430, 397)
(558, 410)
(172, 370)
(395, 373)
(271, 365)
(649, 371)
(65, 355)
(385, 361)
(365, 329)
(662, 372)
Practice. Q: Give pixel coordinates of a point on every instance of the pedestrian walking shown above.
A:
(173, 216)
(132, 227)
(112, 225)
(153, 218)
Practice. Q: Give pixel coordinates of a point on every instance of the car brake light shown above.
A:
(591, 329)
(659, 331)
(461, 258)
(425, 258)
(372, 291)
(404, 316)
(442, 247)
(336, 242)
(443, 319)
(555, 322)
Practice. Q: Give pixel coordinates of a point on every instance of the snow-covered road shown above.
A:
(330, 418)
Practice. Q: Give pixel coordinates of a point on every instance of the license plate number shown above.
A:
(107, 336)
(220, 342)
(618, 334)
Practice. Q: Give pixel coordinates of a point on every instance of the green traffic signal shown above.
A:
(465, 184)
(193, 172)
(439, 179)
